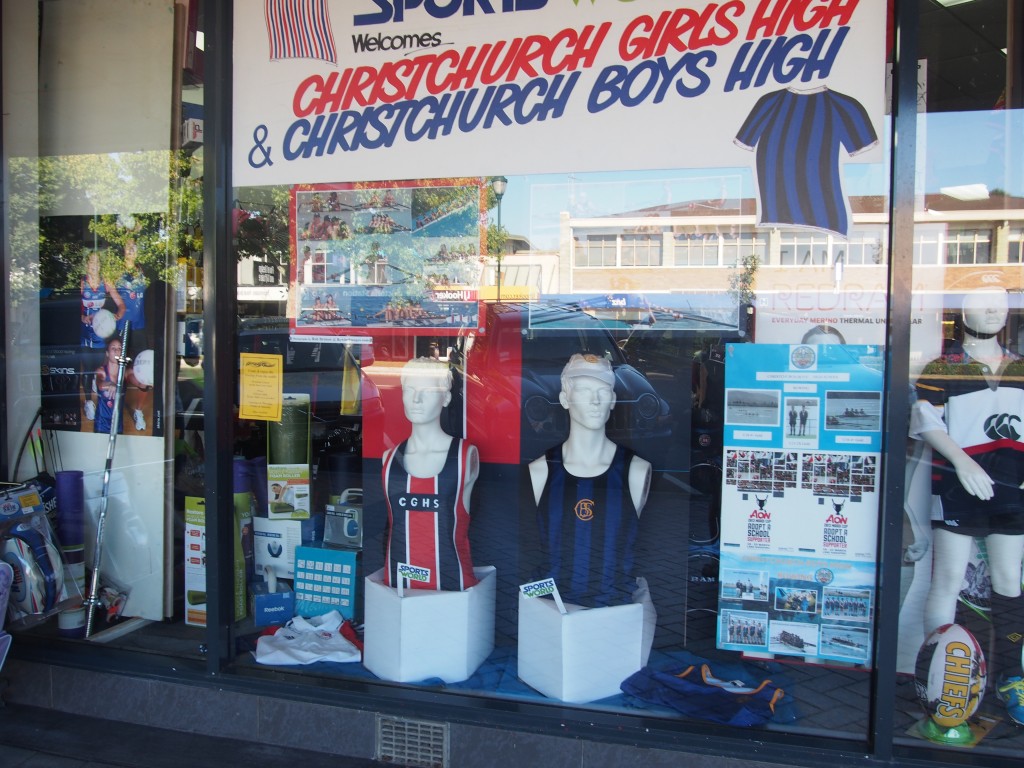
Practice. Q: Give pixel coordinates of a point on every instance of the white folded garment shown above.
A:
(305, 641)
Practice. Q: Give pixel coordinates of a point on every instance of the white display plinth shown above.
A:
(428, 633)
(585, 654)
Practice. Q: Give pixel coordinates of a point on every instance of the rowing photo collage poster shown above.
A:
(403, 254)
(800, 497)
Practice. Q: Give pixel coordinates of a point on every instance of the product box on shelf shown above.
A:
(343, 525)
(325, 580)
(269, 608)
(195, 561)
(288, 493)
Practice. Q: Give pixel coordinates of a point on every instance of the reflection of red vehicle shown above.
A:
(507, 380)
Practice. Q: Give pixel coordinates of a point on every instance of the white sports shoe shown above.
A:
(90, 410)
(140, 420)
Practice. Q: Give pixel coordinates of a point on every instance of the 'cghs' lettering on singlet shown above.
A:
(428, 523)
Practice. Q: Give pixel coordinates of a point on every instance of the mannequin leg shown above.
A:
(1005, 553)
(1005, 557)
(950, 555)
(918, 501)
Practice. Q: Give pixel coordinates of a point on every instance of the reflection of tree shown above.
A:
(401, 268)
(438, 198)
(264, 234)
(744, 279)
(25, 200)
(146, 197)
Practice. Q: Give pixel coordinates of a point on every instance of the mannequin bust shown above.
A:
(969, 408)
(428, 481)
(590, 493)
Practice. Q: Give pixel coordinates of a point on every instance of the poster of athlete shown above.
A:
(406, 254)
(99, 274)
(800, 499)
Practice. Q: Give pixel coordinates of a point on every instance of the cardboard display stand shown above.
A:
(585, 654)
(428, 633)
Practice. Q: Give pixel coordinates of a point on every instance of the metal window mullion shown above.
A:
(897, 376)
(219, 308)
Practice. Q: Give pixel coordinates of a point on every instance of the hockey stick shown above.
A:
(115, 427)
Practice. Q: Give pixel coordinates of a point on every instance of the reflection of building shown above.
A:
(260, 279)
(690, 245)
(696, 246)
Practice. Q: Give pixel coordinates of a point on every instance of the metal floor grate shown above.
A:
(418, 743)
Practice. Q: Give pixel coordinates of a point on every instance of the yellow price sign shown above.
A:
(261, 385)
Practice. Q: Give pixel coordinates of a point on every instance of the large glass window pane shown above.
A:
(103, 151)
(961, 620)
(555, 392)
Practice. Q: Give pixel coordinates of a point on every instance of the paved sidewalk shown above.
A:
(41, 738)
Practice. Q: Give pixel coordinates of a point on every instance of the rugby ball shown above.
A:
(143, 368)
(950, 675)
(104, 324)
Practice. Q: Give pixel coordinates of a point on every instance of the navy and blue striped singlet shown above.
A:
(588, 529)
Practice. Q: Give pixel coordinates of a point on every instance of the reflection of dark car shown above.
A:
(544, 340)
(317, 369)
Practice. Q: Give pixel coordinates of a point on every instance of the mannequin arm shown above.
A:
(639, 482)
(472, 473)
(538, 476)
(972, 477)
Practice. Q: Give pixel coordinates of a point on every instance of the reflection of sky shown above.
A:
(971, 148)
(957, 148)
(533, 204)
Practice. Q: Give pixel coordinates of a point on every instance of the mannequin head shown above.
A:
(823, 334)
(985, 312)
(426, 389)
(588, 390)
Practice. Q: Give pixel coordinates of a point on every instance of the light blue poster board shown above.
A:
(803, 431)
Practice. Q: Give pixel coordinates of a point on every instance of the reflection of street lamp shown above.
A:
(498, 185)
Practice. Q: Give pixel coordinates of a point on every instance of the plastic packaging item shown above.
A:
(288, 439)
(41, 586)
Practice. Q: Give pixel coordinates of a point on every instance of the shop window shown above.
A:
(597, 251)
(641, 250)
(961, 563)
(400, 357)
(1015, 245)
(738, 246)
(969, 246)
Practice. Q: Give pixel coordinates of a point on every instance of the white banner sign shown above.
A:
(355, 90)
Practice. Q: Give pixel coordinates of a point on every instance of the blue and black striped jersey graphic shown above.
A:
(798, 137)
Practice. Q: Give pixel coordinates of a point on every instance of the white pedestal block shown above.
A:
(428, 633)
(583, 655)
